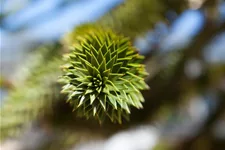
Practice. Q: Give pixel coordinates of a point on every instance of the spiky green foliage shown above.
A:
(103, 75)
(71, 37)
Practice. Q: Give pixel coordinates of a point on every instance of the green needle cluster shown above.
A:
(103, 75)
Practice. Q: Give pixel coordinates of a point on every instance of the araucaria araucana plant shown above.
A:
(103, 75)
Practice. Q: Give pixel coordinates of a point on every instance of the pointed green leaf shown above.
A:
(92, 98)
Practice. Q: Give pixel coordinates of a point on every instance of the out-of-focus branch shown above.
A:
(161, 91)
(214, 116)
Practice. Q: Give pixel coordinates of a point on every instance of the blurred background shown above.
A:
(184, 46)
